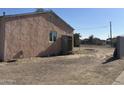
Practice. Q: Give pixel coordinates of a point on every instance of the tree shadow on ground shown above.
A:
(111, 59)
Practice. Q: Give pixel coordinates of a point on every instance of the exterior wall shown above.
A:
(120, 47)
(28, 36)
(2, 39)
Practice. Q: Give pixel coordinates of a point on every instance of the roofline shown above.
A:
(62, 19)
(35, 13)
(23, 14)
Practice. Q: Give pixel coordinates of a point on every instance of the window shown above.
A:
(53, 36)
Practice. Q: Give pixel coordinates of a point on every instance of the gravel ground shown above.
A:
(88, 65)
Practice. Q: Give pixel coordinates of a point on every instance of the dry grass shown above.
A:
(84, 67)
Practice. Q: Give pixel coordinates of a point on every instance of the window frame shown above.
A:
(52, 36)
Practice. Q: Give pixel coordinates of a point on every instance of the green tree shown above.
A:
(91, 39)
(77, 39)
(40, 10)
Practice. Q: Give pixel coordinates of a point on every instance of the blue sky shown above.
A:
(86, 21)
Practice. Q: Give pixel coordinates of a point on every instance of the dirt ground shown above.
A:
(88, 65)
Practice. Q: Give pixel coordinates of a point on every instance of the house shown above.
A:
(34, 34)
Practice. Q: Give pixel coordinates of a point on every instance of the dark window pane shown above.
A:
(53, 36)
(50, 36)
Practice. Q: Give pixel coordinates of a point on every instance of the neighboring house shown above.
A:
(34, 34)
(93, 41)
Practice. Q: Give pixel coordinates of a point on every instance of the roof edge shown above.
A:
(61, 19)
(35, 13)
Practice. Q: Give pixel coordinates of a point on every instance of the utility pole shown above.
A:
(111, 33)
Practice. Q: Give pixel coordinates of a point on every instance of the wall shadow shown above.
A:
(53, 50)
(111, 59)
(18, 55)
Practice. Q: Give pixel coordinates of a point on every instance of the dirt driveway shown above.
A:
(89, 65)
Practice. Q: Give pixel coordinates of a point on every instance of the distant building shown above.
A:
(33, 34)
(95, 41)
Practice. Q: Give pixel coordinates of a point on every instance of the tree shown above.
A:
(77, 39)
(114, 41)
(91, 39)
(40, 10)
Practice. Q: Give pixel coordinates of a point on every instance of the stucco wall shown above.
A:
(120, 47)
(29, 36)
(1, 39)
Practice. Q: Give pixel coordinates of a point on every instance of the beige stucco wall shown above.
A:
(29, 36)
